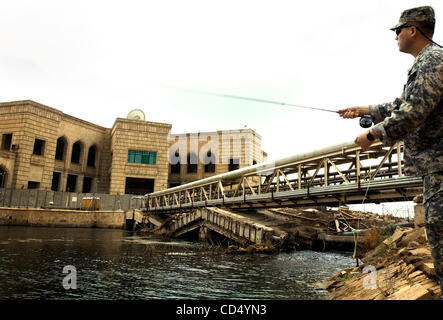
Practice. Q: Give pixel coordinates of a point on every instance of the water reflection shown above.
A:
(116, 264)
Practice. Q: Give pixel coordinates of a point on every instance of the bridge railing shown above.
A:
(334, 168)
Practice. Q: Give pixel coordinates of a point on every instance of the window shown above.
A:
(39, 147)
(192, 163)
(91, 156)
(55, 181)
(172, 185)
(87, 185)
(210, 162)
(175, 168)
(2, 177)
(143, 157)
(6, 141)
(76, 152)
(60, 149)
(33, 185)
(71, 183)
(233, 164)
(139, 186)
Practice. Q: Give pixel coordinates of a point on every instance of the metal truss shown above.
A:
(338, 174)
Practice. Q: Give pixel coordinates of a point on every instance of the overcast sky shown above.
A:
(97, 60)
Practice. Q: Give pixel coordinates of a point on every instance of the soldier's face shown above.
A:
(403, 39)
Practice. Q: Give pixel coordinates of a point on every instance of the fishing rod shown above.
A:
(365, 121)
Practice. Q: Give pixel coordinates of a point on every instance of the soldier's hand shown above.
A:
(354, 112)
(363, 141)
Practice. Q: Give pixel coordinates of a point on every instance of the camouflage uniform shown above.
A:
(417, 117)
(433, 206)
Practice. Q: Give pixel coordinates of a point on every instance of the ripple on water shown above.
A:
(112, 264)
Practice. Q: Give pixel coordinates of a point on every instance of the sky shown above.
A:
(98, 60)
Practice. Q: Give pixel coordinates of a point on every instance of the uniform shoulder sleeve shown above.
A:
(380, 111)
(423, 95)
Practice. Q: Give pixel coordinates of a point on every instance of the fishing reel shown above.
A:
(365, 121)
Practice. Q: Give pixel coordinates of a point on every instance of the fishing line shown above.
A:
(365, 121)
(358, 221)
(231, 96)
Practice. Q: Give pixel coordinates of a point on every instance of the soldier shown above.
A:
(416, 117)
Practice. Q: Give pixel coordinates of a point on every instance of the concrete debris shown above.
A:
(341, 220)
(253, 248)
(428, 268)
(415, 292)
(413, 245)
(420, 252)
(403, 270)
(311, 210)
(396, 237)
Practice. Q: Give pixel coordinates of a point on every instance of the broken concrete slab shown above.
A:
(398, 234)
(420, 252)
(414, 292)
(428, 268)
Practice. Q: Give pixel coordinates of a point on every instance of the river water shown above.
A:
(118, 264)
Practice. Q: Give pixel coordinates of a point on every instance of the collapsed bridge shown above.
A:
(233, 204)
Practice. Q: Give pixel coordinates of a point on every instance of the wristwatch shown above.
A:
(370, 136)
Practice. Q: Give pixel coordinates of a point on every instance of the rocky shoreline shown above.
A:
(398, 268)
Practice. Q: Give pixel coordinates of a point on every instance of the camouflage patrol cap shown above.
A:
(416, 14)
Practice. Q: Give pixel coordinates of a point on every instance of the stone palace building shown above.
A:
(44, 148)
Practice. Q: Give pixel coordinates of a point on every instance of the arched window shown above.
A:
(60, 150)
(3, 176)
(76, 152)
(175, 162)
(91, 156)
(192, 162)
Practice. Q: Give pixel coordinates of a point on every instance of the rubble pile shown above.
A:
(403, 270)
(341, 220)
(315, 229)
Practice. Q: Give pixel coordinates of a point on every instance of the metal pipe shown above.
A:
(265, 166)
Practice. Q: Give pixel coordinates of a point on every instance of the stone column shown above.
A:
(204, 234)
(63, 180)
(419, 215)
(79, 187)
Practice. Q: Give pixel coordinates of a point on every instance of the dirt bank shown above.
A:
(399, 268)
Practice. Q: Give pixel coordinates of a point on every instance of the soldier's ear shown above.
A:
(413, 31)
